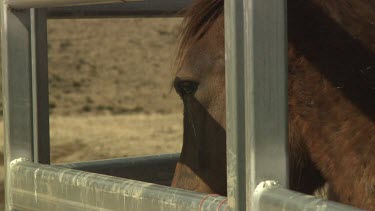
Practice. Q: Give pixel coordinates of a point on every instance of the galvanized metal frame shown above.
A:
(256, 97)
(271, 196)
(146, 8)
(25, 99)
(26, 4)
(256, 119)
(44, 187)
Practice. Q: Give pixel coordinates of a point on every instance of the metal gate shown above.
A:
(257, 102)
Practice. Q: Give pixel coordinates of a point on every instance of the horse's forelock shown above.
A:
(198, 19)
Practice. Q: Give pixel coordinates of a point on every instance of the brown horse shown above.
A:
(331, 91)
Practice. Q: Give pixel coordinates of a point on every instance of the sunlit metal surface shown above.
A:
(256, 82)
(270, 196)
(25, 99)
(44, 187)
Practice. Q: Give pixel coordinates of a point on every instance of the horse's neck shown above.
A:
(357, 17)
(334, 39)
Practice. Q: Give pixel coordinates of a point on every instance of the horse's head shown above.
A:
(200, 81)
(331, 104)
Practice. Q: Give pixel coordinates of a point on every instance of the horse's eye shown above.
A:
(186, 87)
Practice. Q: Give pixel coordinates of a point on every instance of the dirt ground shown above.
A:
(110, 89)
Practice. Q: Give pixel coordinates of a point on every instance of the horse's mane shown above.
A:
(198, 19)
(357, 19)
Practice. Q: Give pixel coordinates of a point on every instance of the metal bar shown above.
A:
(270, 196)
(266, 92)
(25, 79)
(258, 151)
(44, 187)
(39, 62)
(26, 4)
(236, 151)
(146, 8)
(158, 169)
(17, 86)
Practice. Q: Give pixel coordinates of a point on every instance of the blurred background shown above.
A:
(110, 89)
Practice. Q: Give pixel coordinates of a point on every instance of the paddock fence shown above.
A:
(256, 118)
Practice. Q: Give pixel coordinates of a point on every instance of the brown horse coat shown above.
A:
(331, 91)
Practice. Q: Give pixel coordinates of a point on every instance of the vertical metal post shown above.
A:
(25, 95)
(235, 108)
(256, 71)
(39, 59)
(17, 89)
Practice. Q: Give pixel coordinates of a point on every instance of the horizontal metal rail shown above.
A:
(146, 8)
(26, 4)
(270, 196)
(43, 187)
(158, 169)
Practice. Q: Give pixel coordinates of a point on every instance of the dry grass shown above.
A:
(99, 137)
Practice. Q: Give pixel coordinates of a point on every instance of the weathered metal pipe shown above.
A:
(44, 187)
(146, 8)
(26, 4)
(270, 196)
